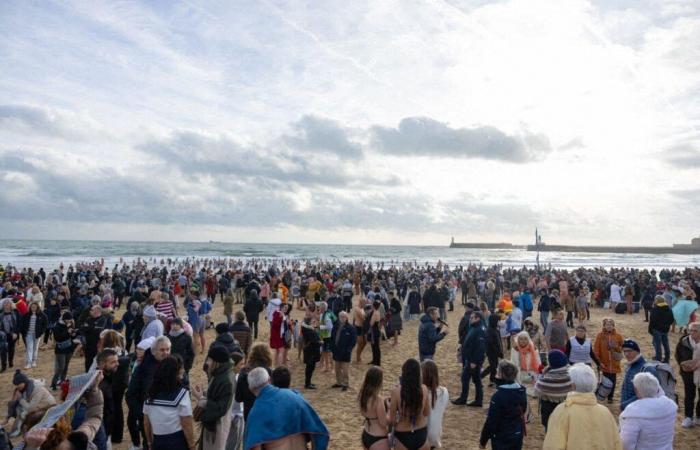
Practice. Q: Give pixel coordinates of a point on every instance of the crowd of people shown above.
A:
(141, 325)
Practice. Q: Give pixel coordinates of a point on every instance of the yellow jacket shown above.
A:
(581, 423)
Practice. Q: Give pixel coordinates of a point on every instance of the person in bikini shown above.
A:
(409, 409)
(373, 409)
(358, 321)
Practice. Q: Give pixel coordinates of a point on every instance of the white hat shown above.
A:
(149, 311)
(146, 343)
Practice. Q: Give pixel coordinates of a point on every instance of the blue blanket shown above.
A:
(682, 311)
(278, 413)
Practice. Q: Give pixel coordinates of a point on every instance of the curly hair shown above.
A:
(260, 356)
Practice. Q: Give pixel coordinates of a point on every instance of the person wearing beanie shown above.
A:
(225, 339)
(153, 327)
(554, 385)
(65, 334)
(216, 403)
(635, 365)
(29, 398)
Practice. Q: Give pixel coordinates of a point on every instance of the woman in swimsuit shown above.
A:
(373, 409)
(409, 409)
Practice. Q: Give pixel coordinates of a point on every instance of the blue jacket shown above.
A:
(428, 336)
(342, 345)
(474, 345)
(526, 301)
(504, 424)
(627, 394)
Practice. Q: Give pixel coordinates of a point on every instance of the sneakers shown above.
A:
(688, 422)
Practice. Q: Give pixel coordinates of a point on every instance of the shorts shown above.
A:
(198, 327)
(326, 345)
(360, 331)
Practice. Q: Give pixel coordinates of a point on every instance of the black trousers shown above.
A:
(117, 431)
(491, 369)
(376, 351)
(691, 391)
(8, 357)
(546, 409)
(254, 328)
(308, 373)
(570, 319)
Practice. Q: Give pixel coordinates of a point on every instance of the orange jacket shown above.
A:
(604, 346)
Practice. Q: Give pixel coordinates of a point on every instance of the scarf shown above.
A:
(529, 358)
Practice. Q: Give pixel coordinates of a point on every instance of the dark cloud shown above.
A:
(422, 136)
(196, 154)
(40, 121)
(318, 134)
(684, 156)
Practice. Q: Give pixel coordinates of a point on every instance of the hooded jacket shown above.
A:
(504, 422)
(648, 424)
(428, 336)
(581, 423)
(494, 349)
(661, 318)
(228, 342)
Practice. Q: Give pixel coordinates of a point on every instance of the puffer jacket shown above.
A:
(627, 394)
(648, 424)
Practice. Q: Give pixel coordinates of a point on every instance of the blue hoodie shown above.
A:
(428, 336)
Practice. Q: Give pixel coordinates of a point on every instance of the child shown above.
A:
(504, 425)
(235, 434)
(503, 330)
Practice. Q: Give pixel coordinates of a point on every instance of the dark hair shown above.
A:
(165, 378)
(411, 388)
(281, 377)
(507, 370)
(374, 377)
(377, 304)
(177, 321)
(104, 354)
(431, 379)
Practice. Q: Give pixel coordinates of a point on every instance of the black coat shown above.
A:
(342, 345)
(62, 333)
(312, 345)
(182, 345)
(39, 328)
(660, 319)
(252, 308)
(504, 422)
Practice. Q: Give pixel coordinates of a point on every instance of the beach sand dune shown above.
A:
(462, 426)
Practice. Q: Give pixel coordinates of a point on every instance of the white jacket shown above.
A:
(435, 416)
(648, 424)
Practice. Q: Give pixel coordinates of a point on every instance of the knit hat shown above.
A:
(67, 316)
(19, 378)
(557, 359)
(149, 311)
(629, 343)
(221, 328)
(218, 354)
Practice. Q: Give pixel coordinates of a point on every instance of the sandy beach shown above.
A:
(462, 426)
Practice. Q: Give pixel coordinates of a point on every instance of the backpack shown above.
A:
(664, 374)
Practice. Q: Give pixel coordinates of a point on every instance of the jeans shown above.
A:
(469, 375)
(60, 371)
(544, 320)
(32, 344)
(661, 339)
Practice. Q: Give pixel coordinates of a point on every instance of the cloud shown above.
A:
(196, 153)
(683, 156)
(423, 136)
(44, 121)
(323, 135)
(573, 144)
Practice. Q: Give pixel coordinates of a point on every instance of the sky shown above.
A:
(363, 122)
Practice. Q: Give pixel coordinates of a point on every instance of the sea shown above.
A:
(51, 254)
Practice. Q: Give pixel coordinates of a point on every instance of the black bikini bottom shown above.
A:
(369, 440)
(412, 440)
